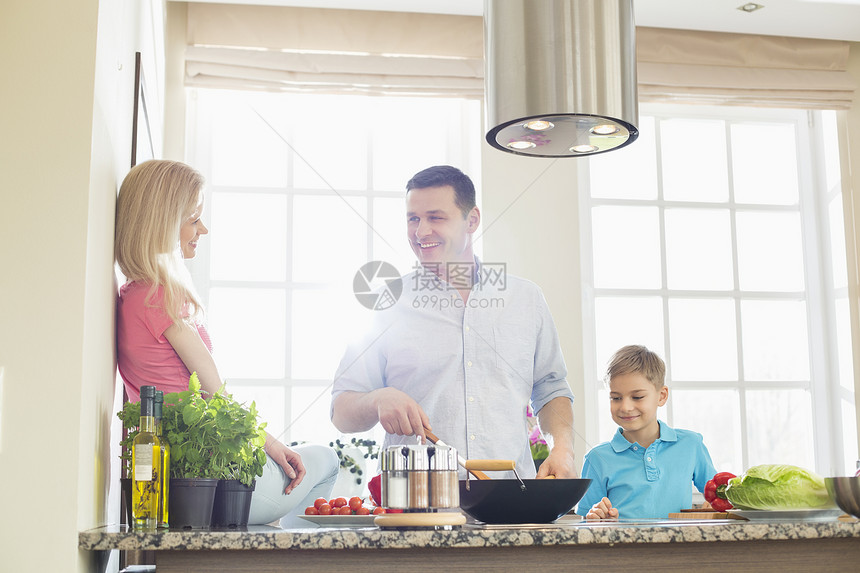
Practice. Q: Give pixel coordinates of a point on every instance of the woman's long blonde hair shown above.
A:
(154, 200)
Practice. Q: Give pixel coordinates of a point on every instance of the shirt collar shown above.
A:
(619, 443)
(476, 277)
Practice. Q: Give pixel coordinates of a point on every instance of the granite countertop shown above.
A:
(560, 533)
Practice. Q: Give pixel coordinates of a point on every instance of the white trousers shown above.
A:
(269, 502)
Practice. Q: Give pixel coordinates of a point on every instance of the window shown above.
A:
(716, 241)
(302, 190)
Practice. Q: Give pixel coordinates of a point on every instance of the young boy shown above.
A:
(646, 470)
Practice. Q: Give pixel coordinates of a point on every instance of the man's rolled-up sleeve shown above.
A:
(550, 372)
(360, 370)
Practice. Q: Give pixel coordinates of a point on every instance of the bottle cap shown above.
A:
(444, 458)
(417, 458)
(393, 459)
(158, 409)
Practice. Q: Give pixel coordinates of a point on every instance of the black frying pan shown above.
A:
(518, 501)
(513, 500)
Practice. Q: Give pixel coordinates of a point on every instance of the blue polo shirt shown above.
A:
(647, 482)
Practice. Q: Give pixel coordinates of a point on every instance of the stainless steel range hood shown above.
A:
(560, 76)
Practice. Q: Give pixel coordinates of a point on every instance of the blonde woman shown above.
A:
(161, 337)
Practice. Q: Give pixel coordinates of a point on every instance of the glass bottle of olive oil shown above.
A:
(165, 461)
(146, 465)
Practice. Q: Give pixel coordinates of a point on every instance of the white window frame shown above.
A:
(826, 392)
(460, 149)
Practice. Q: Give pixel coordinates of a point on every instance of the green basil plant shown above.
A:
(210, 437)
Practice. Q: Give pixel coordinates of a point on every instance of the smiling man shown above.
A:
(463, 351)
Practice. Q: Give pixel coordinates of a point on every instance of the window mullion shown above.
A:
(819, 279)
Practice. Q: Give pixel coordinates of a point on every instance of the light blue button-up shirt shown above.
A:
(473, 365)
(647, 482)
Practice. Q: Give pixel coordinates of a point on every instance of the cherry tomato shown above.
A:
(312, 511)
(319, 501)
(362, 511)
(339, 502)
(324, 509)
(378, 510)
(344, 510)
(355, 503)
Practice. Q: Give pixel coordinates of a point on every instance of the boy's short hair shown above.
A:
(637, 359)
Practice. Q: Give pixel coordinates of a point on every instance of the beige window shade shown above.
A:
(741, 69)
(358, 51)
(334, 51)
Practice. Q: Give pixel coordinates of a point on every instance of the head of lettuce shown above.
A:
(778, 486)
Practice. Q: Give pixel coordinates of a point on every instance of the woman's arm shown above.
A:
(192, 351)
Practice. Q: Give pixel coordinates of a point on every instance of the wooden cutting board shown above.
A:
(703, 514)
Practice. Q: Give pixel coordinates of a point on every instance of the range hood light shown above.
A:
(605, 129)
(520, 145)
(539, 125)
(560, 76)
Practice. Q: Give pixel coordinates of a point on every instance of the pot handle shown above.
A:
(490, 465)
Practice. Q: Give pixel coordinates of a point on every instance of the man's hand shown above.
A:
(559, 463)
(399, 413)
(289, 460)
(556, 422)
(602, 510)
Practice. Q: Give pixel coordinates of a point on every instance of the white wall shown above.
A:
(530, 221)
(65, 112)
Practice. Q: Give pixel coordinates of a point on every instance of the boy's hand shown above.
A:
(602, 510)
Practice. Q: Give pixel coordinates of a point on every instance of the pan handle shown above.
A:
(433, 438)
(490, 465)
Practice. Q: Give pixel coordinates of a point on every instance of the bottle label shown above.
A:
(143, 462)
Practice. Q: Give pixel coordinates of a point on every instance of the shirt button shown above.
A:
(649, 459)
(472, 437)
(469, 363)
(635, 448)
(467, 329)
(471, 398)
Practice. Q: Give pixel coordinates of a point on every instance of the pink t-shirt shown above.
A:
(144, 355)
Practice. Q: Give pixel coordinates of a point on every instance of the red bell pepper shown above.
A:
(374, 486)
(715, 491)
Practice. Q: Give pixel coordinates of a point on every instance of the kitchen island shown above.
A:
(680, 545)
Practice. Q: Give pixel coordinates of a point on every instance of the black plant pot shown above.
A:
(232, 504)
(125, 501)
(191, 502)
